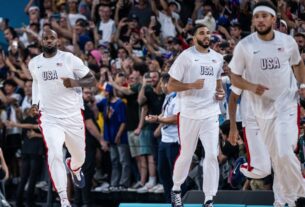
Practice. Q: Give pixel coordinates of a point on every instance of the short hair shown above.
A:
(12, 31)
(10, 82)
(198, 26)
(228, 58)
(81, 22)
(165, 77)
(300, 34)
(141, 67)
(266, 3)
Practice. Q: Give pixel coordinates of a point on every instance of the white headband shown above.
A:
(264, 9)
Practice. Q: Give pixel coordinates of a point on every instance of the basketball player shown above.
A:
(57, 78)
(195, 75)
(266, 57)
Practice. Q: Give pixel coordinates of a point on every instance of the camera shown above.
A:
(224, 45)
(147, 75)
(56, 16)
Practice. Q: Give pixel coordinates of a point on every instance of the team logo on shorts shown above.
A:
(49, 75)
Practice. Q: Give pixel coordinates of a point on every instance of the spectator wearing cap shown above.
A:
(283, 27)
(106, 25)
(34, 13)
(142, 9)
(84, 9)
(114, 114)
(94, 60)
(61, 6)
(167, 18)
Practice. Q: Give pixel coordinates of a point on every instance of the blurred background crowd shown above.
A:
(129, 45)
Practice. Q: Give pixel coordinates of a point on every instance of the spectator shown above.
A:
(31, 158)
(106, 25)
(94, 139)
(150, 96)
(142, 9)
(169, 145)
(114, 114)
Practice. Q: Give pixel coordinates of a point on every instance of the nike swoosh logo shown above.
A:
(255, 52)
(196, 60)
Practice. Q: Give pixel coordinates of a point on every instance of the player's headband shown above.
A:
(264, 9)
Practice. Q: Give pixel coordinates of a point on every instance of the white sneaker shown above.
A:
(151, 190)
(103, 187)
(41, 184)
(159, 189)
(135, 187)
(146, 187)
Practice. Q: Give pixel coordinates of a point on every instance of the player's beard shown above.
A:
(201, 43)
(49, 50)
(264, 32)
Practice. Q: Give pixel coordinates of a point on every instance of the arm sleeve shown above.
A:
(78, 67)
(295, 56)
(238, 62)
(178, 68)
(35, 92)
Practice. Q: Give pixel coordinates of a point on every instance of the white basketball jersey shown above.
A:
(190, 66)
(49, 92)
(268, 63)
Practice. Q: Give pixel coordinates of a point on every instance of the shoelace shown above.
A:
(178, 199)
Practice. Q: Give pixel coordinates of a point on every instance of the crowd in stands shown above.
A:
(128, 45)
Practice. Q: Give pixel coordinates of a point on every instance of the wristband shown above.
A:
(302, 85)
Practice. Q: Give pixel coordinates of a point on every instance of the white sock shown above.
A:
(152, 179)
(208, 198)
(176, 188)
